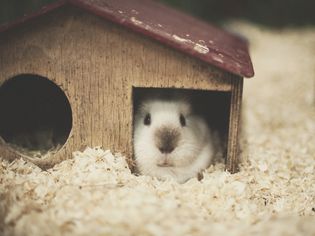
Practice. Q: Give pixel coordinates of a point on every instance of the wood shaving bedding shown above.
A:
(94, 193)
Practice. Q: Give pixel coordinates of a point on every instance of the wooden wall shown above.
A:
(96, 63)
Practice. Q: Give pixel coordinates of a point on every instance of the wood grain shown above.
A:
(232, 160)
(97, 63)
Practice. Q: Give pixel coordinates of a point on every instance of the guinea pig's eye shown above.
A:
(182, 120)
(147, 119)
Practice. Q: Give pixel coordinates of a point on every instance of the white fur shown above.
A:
(195, 148)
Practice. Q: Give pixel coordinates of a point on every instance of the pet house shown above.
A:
(70, 73)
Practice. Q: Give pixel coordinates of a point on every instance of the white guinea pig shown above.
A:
(170, 140)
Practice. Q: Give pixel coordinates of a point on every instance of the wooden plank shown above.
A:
(232, 160)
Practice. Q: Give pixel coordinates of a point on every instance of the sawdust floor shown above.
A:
(274, 193)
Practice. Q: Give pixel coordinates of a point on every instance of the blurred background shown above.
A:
(273, 13)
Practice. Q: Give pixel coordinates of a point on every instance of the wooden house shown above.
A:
(69, 74)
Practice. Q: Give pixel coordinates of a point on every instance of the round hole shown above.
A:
(36, 116)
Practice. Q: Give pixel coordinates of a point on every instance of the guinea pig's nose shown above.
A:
(166, 149)
(166, 139)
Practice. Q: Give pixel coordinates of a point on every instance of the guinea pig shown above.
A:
(170, 139)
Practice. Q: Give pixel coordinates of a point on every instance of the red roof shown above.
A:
(169, 26)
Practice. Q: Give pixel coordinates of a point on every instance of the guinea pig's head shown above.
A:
(167, 134)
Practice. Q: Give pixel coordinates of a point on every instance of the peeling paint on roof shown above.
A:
(137, 22)
(218, 59)
(201, 48)
(177, 38)
(198, 47)
(134, 11)
(238, 65)
(147, 27)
